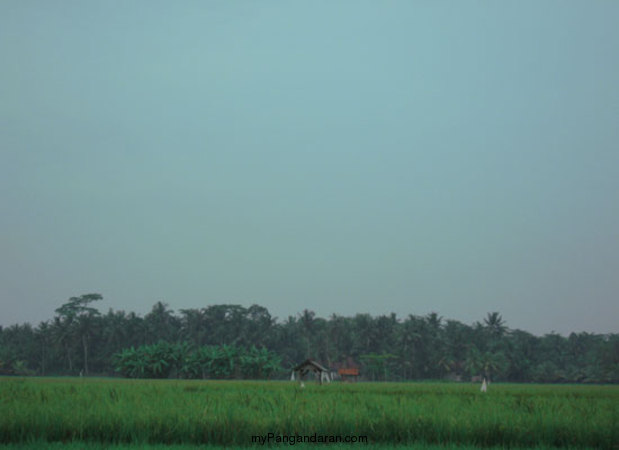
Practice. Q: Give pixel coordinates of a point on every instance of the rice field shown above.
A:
(111, 413)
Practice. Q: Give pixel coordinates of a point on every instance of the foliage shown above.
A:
(219, 362)
(231, 341)
(147, 361)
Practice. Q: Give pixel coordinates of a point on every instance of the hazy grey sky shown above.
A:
(341, 156)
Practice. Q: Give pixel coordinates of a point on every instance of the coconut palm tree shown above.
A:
(495, 324)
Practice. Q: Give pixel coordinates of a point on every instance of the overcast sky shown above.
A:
(460, 157)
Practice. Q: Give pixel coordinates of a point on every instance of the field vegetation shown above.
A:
(229, 413)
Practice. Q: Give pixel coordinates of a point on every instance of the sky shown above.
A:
(338, 156)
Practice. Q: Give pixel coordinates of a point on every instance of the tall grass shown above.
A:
(229, 413)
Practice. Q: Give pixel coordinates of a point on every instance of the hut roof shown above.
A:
(309, 362)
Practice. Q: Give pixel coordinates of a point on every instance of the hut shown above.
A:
(308, 366)
(348, 370)
(349, 373)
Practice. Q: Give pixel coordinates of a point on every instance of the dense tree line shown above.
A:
(183, 360)
(80, 339)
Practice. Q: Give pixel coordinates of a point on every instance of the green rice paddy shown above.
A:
(111, 413)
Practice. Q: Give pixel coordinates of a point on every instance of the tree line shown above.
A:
(183, 360)
(232, 341)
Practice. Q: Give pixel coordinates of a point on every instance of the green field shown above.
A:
(100, 413)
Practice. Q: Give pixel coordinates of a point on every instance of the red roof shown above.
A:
(349, 371)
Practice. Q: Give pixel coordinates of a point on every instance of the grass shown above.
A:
(108, 412)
